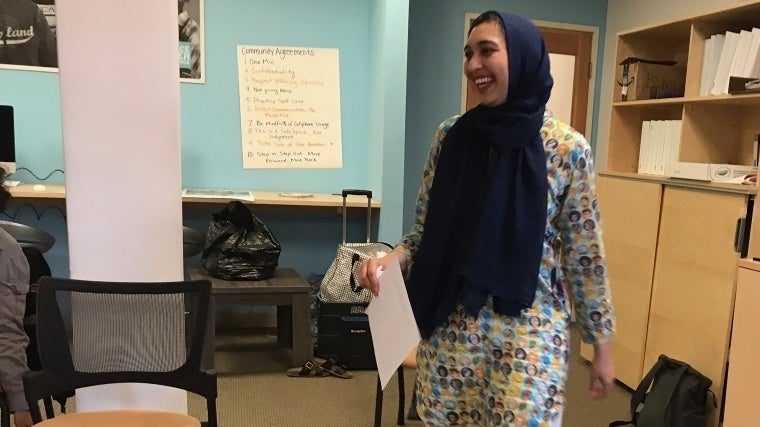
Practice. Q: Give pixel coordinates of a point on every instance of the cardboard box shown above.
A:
(715, 172)
(638, 79)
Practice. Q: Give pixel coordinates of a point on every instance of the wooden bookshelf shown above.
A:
(651, 103)
(688, 183)
(679, 300)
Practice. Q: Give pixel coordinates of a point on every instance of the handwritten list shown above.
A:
(289, 107)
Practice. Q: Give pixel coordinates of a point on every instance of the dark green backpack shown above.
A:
(676, 399)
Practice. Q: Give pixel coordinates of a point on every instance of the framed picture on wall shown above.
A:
(191, 41)
(28, 38)
(27, 35)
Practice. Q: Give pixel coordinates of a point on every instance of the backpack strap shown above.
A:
(659, 398)
(641, 392)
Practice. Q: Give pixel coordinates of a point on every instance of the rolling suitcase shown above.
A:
(343, 328)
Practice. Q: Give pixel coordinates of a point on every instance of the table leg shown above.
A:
(302, 346)
(284, 326)
(207, 360)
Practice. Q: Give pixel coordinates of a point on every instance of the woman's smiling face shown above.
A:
(486, 64)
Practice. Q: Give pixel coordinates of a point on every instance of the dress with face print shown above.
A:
(517, 366)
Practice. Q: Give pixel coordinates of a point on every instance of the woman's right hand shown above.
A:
(368, 270)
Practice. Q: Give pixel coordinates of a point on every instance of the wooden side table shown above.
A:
(286, 289)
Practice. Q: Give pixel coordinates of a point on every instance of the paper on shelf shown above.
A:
(219, 194)
(723, 70)
(394, 330)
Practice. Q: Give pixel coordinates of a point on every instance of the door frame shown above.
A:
(469, 16)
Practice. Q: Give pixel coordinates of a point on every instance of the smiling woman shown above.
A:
(487, 284)
(486, 62)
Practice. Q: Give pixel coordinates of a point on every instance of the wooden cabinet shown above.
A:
(743, 375)
(670, 242)
(754, 238)
(693, 290)
(631, 216)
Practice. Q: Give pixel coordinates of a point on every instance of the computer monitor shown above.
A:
(7, 140)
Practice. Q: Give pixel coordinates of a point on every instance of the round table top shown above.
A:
(122, 418)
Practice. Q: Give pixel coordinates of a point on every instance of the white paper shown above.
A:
(218, 194)
(394, 330)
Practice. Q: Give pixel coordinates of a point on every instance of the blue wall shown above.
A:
(392, 99)
(211, 141)
(211, 145)
(434, 82)
(389, 67)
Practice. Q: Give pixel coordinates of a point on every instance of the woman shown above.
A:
(491, 219)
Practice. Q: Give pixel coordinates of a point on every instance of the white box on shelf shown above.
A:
(685, 170)
(715, 172)
(720, 173)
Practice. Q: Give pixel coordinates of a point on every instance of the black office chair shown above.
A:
(192, 242)
(87, 337)
(34, 243)
(5, 411)
(28, 236)
(409, 362)
(401, 399)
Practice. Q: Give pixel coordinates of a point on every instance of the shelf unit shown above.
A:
(670, 242)
(715, 128)
(56, 192)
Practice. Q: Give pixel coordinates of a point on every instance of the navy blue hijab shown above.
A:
(486, 218)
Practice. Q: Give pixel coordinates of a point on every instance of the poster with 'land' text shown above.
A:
(289, 107)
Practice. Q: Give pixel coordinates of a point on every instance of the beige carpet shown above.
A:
(254, 391)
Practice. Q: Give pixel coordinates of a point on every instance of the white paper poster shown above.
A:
(289, 107)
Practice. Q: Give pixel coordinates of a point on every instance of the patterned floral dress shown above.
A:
(498, 370)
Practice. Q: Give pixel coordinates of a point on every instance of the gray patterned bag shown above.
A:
(340, 284)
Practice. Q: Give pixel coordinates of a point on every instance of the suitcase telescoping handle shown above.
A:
(368, 193)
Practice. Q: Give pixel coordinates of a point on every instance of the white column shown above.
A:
(119, 80)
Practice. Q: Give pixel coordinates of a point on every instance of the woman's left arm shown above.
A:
(584, 261)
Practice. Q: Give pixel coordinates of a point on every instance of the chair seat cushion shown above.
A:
(411, 359)
(122, 418)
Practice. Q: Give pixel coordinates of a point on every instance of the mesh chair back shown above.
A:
(92, 333)
(118, 333)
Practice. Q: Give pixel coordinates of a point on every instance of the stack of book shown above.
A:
(729, 55)
(660, 144)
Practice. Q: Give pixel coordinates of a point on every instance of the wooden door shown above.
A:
(566, 42)
(694, 282)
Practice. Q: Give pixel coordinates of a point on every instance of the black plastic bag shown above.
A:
(239, 246)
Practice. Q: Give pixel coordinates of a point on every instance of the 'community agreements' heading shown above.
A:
(277, 51)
